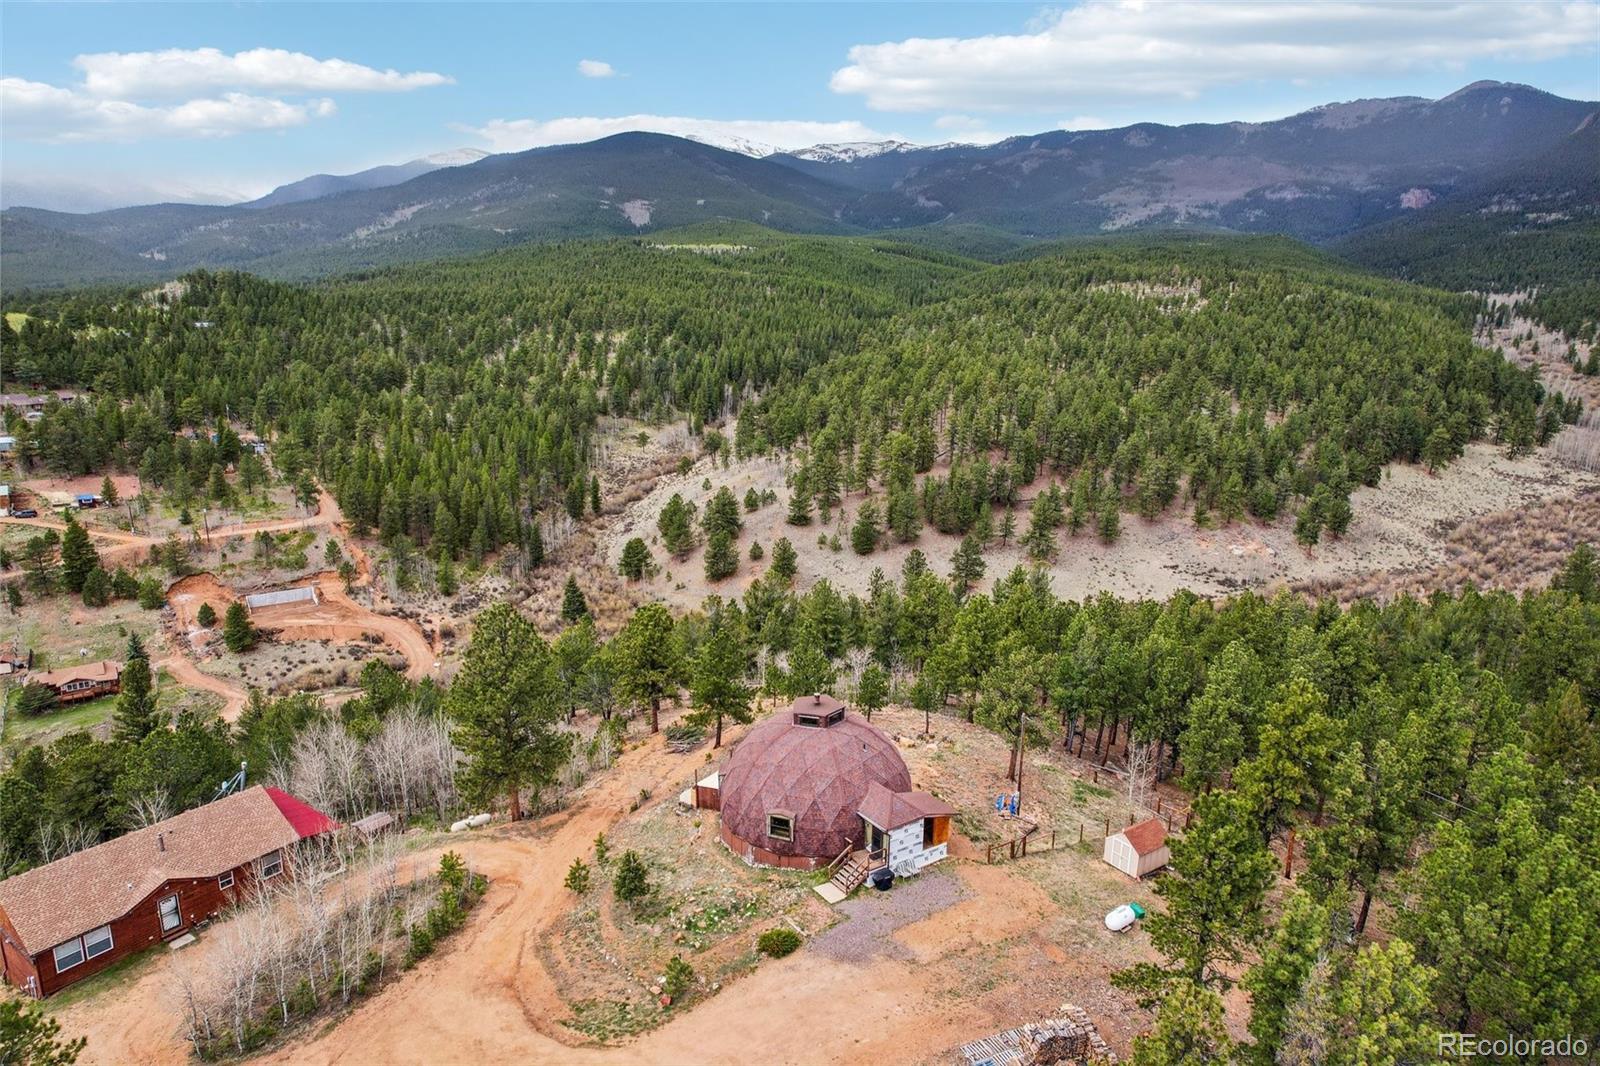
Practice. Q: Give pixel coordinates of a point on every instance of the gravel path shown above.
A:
(871, 917)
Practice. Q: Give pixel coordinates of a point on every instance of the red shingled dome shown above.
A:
(816, 775)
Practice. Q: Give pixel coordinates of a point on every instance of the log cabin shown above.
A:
(72, 918)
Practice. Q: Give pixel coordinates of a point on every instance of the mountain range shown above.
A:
(1326, 175)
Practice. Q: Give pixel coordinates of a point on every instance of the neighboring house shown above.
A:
(86, 500)
(71, 918)
(13, 659)
(5, 497)
(911, 829)
(83, 682)
(1140, 849)
(7, 444)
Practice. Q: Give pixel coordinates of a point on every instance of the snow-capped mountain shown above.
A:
(852, 151)
(455, 157)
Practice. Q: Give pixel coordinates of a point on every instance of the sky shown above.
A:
(109, 104)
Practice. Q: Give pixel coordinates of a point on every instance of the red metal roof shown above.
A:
(818, 776)
(305, 819)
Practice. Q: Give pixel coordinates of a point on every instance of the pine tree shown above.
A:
(108, 491)
(810, 669)
(1276, 981)
(966, 566)
(594, 494)
(632, 880)
(873, 691)
(78, 555)
(866, 531)
(1110, 514)
(716, 689)
(97, 588)
(574, 499)
(506, 709)
(752, 501)
(1578, 575)
(722, 558)
(1189, 1030)
(635, 559)
(573, 605)
(535, 545)
(799, 509)
(650, 663)
(785, 561)
(722, 514)
(206, 616)
(136, 716)
(674, 525)
(238, 634)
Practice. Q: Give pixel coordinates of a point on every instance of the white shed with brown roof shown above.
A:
(1140, 849)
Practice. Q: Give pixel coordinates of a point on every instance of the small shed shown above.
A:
(909, 829)
(1140, 849)
(374, 824)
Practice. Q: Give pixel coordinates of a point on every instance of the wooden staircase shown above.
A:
(851, 875)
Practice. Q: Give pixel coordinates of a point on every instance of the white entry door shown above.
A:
(170, 916)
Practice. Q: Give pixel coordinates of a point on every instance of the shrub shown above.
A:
(602, 850)
(151, 597)
(577, 877)
(36, 698)
(680, 975)
(776, 943)
(632, 882)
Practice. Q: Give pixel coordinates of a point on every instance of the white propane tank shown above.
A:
(1120, 918)
(456, 827)
(479, 819)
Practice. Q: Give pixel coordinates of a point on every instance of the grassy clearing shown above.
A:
(46, 728)
(123, 972)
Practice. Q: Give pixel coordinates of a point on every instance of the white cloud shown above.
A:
(1109, 49)
(55, 191)
(176, 72)
(515, 135)
(595, 68)
(1084, 122)
(49, 113)
(191, 92)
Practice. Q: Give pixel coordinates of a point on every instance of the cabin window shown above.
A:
(780, 827)
(69, 954)
(97, 942)
(807, 720)
(226, 880)
(836, 717)
(272, 865)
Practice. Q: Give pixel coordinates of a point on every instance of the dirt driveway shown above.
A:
(978, 965)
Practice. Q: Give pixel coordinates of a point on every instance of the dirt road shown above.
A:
(187, 674)
(486, 997)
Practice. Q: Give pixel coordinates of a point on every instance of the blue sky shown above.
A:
(124, 103)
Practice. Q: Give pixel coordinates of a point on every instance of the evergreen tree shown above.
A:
(136, 715)
(675, 527)
(594, 494)
(1578, 575)
(573, 605)
(1275, 982)
(632, 880)
(78, 555)
(97, 588)
(1384, 1009)
(1189, 1030)
(799, 509)
(810, 669)
(722, 514)
(752, 501)
(206, 616)
(30, 1037)
(650, 663)
(635, 559)
(108, 491)
(722, 558)
(716, 688)
(865, 532)
(506, 709)
(238, 634)
(966, 565)
(873, 691)
(1219, 875)
(785, 561)
(1110, 514)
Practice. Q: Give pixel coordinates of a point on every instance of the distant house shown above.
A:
(71, 918)
(5, 500)
(1139, 850)
(83, 682)
(7, 444)
(86, 500)
(13, 659)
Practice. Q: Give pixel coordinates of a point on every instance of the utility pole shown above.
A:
(1022, 725)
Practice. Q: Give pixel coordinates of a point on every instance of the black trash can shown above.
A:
(881, 878)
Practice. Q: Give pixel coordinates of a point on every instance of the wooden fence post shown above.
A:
(989, 859)
(1052, 840)
(1158, 804)
(1080, 832)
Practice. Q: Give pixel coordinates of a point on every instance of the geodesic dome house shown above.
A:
(792, 789)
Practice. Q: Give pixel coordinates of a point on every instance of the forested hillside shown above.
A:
(452, 403)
